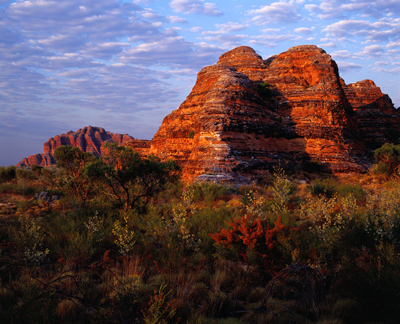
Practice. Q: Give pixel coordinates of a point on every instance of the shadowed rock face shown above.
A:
(377, 121)
(88, 139)
(226, 130)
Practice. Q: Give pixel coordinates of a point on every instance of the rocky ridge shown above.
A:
(246, 115)
(225, 129)
(88, 139)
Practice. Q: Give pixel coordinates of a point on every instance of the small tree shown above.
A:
(8, 173)
(37, 170)
(128, 178)
(387, 158)
(264, 90)
(73, 161)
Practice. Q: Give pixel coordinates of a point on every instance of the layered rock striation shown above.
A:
(228, 129)
(88, 139)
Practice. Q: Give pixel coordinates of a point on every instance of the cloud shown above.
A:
(226, 40)
(19, 84)
(171, 50)
(342, 54)
(152, 35)
(379, 31)
(278, 12)
(118, 88)
(151, 15)
(270, 39)
(62, 43)
(57, 62)
(223, 36)
(196, 29)
(345, 67)
(330, 44)
(393, 44)
(176, 19)
(343, 28)
(210, 10)
(185, 72)
(390, 71)
(8, 36)
(372, 51)
(339, 9)
(270, 30)
(104, 51)
(230, 27)
(312, 7)
(303, 30)
(195, 6)
(82, 20)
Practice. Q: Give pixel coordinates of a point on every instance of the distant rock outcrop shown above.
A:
(226, 128)
(88, 139)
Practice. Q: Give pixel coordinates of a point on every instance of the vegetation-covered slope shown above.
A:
(293, 248)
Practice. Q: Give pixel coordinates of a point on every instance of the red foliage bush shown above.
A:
(256, 238)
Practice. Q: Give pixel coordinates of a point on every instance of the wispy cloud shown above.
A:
(304, 30)
(278, 12)
(372, 51)
(345, 67)
(195, 7)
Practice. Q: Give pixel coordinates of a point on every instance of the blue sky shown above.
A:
(124, 65)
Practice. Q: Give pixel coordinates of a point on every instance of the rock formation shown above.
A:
(377, 121)
(228, 129)
(246, 115)
(88, 139)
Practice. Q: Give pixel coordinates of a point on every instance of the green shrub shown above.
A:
(264, 90)
(23, 174)
(330, 187)
(388, 159)
(322, 187)
(4, 187)
(7, 173)
(127, 178)
(73, 177)
(345, 189)
(191, 134)
(37, 170)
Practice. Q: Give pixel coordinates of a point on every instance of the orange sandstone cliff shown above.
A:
(227, 130)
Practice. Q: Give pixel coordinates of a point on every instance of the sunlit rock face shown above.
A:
(88, 139)
(227, 130)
